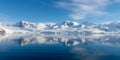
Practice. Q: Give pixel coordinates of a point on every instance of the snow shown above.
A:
(83, 26)
(75, 23)
(40, 26)
(55, 27)
(67, 27)
(5, 29)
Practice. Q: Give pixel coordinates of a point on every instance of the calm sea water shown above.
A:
(59, 47)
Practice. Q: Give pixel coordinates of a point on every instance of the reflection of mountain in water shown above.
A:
(64, 40)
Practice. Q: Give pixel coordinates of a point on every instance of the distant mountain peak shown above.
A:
(23, 24)
(70, 23)
(72, 27)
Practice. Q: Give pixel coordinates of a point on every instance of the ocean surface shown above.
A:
(60, 47)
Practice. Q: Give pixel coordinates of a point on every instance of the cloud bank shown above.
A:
(80, 9)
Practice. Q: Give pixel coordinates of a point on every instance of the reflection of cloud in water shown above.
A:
(71, 40)
(84, 54)
(95, 52)
(82, 47)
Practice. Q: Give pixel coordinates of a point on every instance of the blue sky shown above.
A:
(97, 11)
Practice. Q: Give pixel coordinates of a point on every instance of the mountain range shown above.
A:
(66, 27)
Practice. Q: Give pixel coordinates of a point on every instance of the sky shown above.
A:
(96, 11)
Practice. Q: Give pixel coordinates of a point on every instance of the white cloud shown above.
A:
(80, 9)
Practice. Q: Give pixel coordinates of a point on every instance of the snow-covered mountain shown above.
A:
(66, 24)
(35, 26)
(67, 27)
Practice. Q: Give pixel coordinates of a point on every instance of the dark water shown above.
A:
(56, 47)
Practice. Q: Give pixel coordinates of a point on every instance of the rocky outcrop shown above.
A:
(2, 31)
